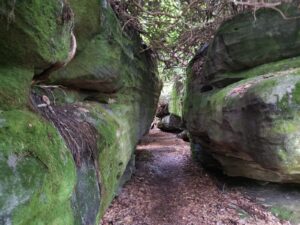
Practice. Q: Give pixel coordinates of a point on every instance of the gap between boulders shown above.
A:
(168, 187)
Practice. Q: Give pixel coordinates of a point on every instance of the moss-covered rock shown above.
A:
(92, 69)
(175, 102)
(37, 171)
(56, 176)
(252, 127)
(87, 21)
(34, 33)
(170, 123)
(246, 121)
(246, 41)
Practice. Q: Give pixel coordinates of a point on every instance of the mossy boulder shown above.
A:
(248, 40)
(176, 99)
(246, 121)
(170, 123)
(92, 69)
(252, 127)
(65, 142)
(33, 33)
(37, 171)
(87, 21)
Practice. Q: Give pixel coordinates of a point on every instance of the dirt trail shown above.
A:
(168, 188)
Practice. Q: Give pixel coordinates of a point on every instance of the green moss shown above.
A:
(175, 104)
(111, 58)
(39, 189)
(264, 87)
(112, 29)
(36, 36)
(24, 137)
(188, 94)
(269, 101)
(286, 126)
(116, 145)
(296, 93)
(87, 20)
(284, 104)
(14, 87)
(249, 120)
(264, 73)
(263, 43)
(39, 171)
(99, 62)
(120, 125)
(269, 68)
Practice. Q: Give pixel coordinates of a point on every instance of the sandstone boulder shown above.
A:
(170, 123)
(242, 106)
(66, 141)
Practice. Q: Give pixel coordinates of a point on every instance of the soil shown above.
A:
(169, 188)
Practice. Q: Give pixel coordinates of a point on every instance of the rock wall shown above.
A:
(241, 104)
(67, 134)
(175, 103)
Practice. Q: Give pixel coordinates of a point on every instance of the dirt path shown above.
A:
(168, 188)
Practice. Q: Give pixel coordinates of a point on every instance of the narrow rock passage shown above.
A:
(168, 188)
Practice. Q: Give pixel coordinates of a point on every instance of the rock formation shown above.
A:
(242, 103)
(170, 123)
(176, 96)
(169, 113)
(66, 139)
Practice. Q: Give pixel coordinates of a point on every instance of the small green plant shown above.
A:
(282, 212)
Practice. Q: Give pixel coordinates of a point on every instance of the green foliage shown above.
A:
(176, 29)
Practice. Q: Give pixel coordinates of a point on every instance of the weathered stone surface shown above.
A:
(92, 69)
(176, 99)
(109, 87)
(37, 170)
(87, 21)
(34, 34)
(245, 42)
(170, 123)
(248, 128)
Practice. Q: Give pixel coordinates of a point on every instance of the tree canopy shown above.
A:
(176, 29)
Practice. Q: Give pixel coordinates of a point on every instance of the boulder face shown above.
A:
(66, 140)
(175, 102)
(246, 41)
(35, 34)
(242, 100)
(170, 123)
